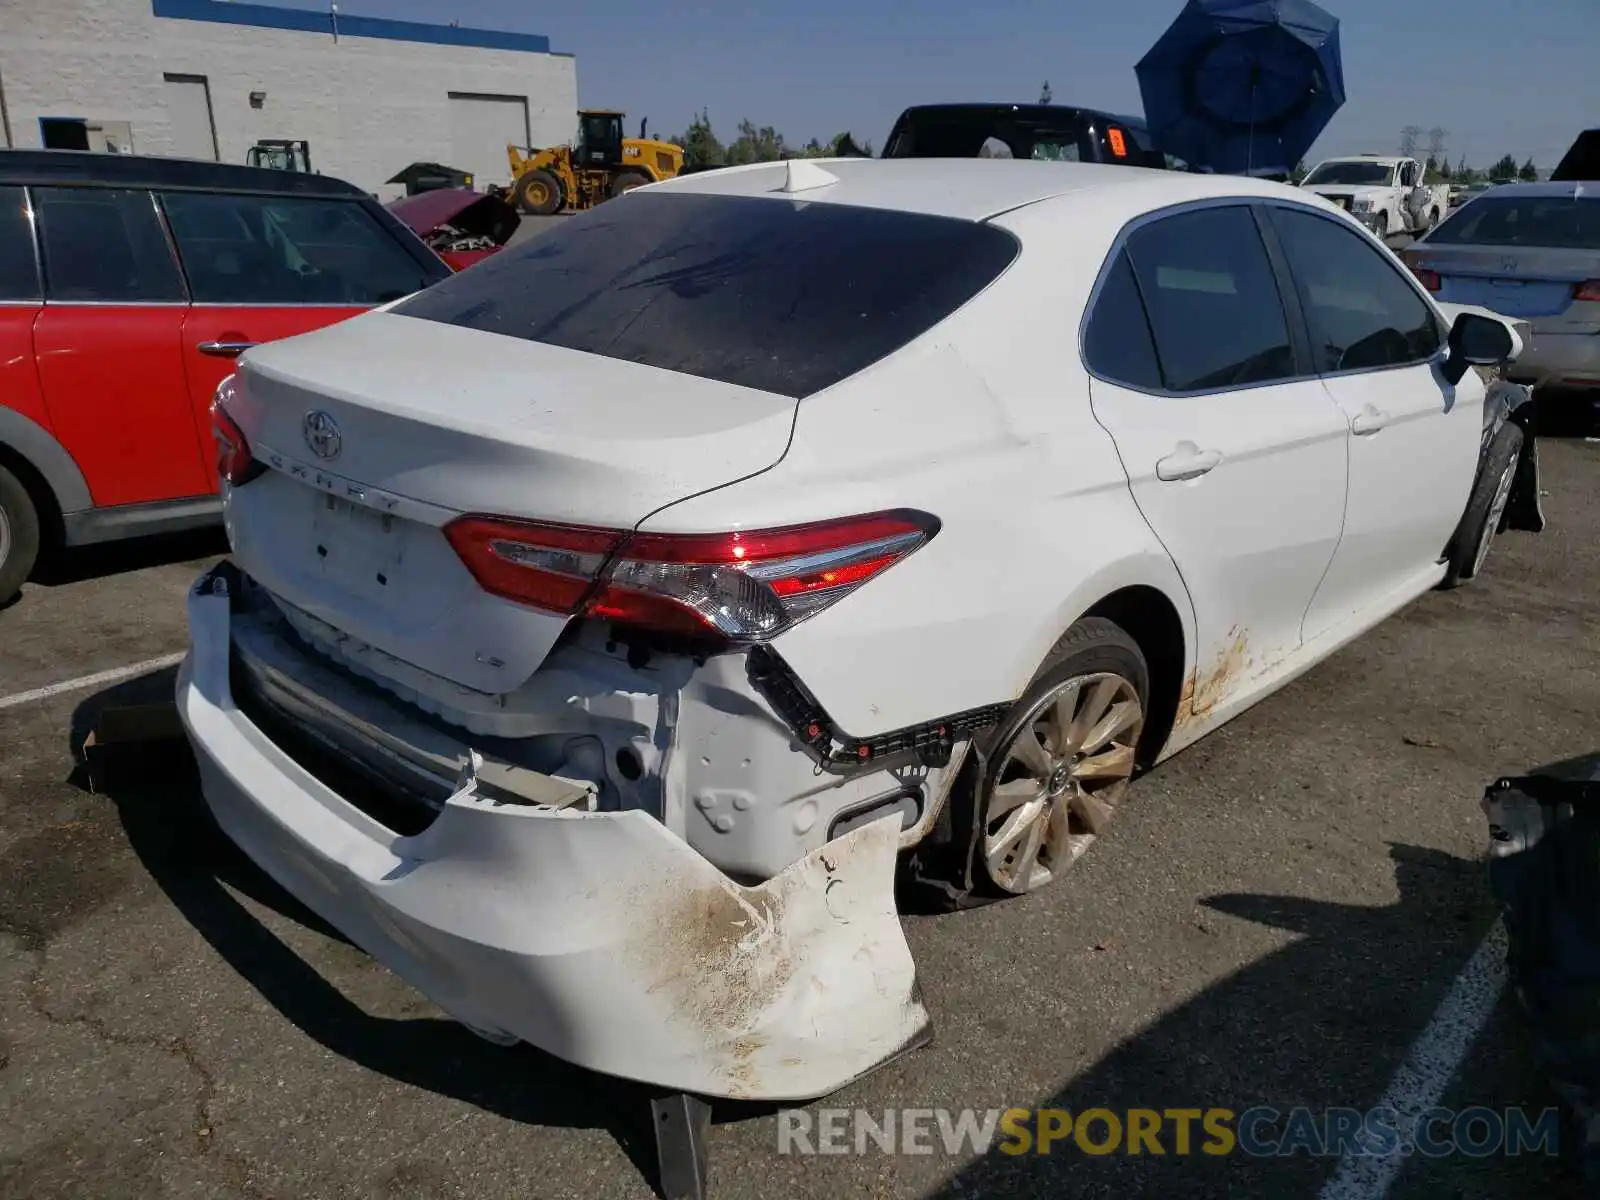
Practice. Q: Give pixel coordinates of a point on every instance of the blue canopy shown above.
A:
(1243, 86)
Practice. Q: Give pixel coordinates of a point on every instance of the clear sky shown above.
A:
(1503, 78)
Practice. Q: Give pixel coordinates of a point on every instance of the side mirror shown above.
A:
(1477, 341)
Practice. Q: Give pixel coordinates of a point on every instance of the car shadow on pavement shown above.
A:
(171, 831)
(79, 564)
(1322, 1023)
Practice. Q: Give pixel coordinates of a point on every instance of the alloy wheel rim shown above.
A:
(1060, 780)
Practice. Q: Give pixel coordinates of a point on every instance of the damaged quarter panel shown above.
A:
(981, 423)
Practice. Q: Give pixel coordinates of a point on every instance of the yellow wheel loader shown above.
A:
(602, 164)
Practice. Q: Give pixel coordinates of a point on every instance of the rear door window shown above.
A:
(1361, 310)
(105, 245)
(780, 295)
(244, 249)
(19, 276)
(1117, 344)
(1212, 299)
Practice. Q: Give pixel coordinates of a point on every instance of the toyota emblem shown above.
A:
(322, 434)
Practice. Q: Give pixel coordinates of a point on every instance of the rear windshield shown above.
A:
(1559, 222)
(783, 296)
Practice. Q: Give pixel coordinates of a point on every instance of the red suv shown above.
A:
(127, 288)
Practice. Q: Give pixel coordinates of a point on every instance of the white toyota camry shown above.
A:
(605, 625)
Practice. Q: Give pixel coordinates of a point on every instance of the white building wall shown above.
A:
(368, 106)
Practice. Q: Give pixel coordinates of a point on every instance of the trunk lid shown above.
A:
(1515, 281)
(382, 429)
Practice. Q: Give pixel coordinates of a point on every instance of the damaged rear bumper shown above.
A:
(600, 937)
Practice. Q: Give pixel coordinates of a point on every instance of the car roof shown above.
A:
(972, 189)
(1041, 112)
(1568, 188)
(87, 168)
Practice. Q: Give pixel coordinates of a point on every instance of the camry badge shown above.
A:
(322, 434)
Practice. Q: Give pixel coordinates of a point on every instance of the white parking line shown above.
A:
(1429, 1067)
(115, 675)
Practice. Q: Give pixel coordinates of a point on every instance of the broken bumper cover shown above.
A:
(599, 937)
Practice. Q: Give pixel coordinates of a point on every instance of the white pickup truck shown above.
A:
(1386, 194)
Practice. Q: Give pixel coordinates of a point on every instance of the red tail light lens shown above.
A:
(745, 586)
(552, 567)
(751, 586)
(1428, 279)
(235, 463)
(1589, 290)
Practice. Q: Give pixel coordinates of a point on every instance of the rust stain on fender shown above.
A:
(1204, 689)
(736, 966)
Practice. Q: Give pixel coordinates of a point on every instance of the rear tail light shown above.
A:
(738, 587)
(235, 464)
(1428, 279)
(1588, 290)
(552, 567)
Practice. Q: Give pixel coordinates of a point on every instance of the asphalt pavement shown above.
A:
(1279, 915)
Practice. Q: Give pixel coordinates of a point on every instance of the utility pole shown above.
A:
(1408, 141)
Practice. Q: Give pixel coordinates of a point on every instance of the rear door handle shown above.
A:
(1368, 421)
(1188, 461)
(224, 349)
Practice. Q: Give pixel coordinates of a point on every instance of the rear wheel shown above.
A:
(538, 193)
(19, 535)
(1469, 546)
(1381, 226)
(1049, 779)
(626, 181)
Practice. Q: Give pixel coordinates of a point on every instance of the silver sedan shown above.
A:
(1529, 251)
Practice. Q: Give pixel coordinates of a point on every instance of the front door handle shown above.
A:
(1188, 461)
(1368, 421)
(224, 349)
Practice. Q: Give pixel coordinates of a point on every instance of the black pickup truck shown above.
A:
(1051, 132)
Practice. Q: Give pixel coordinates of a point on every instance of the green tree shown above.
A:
(1297, 176)
(755, 145)
(1045, 95)
(1503, 170)
(1529, 173)
(1433, 171)
(700, 145)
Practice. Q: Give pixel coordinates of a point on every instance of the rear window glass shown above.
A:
(249, 249)
(1555, 221)
(784, 296)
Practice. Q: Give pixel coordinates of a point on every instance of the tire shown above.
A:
(1433, 219)
(538, 193)
(1382, 229)
(626, 181)
(1486, 507)
(19, 535)
(962, 863)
